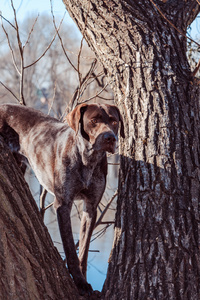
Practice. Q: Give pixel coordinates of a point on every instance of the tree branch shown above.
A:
(21, 50)
(11, 49)
(61, 42)
(10, 91)
(1, 16)
(28, 66)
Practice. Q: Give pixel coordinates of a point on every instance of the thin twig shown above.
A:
(101, 232)
(106, 208)
(21, 50)
(10, 91)
(30, 32)
(81, 46)
(47, 46)
(11, 49)
(53, 99)
(95, 78)
(84, 83)
(107, 222)
(79, 216)
(17, 29)
(51, 204)
(98, 92)
(196, 69)
(78, 66)
(80, 89)
(61, 42)
(42, 202)
(106, 99)
(7, 21)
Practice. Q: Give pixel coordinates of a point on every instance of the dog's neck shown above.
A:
(90, 156)
(90, 159)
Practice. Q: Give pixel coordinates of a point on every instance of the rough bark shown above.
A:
(30, 265)
(156, 247)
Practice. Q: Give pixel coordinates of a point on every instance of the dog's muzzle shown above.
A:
(106, 141)
(109, 142)
(109, 138)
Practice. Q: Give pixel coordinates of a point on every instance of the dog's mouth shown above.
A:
(109, 147)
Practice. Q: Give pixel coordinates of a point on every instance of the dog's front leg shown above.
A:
(87, 225)
(63, 214)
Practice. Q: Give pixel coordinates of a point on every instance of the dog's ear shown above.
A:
(74, 117)
(122, 123)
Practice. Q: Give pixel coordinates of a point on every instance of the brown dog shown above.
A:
(70, 162)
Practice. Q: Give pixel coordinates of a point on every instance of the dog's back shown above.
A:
(34, 135)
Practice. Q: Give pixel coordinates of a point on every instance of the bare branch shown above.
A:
(7, 21)
(98, 92)
(84, 83)
(95, 78)
(79, 216)
(17, 29)
(81, 88)
(106, 99)
(11, 49)
(48, 206)
(100, 233)
(42, 201)
(81, 46)
(47, 46)
(61, 42)
(107, 222)
(10, 91)
(196, 69)
(21, 50)
(30, 32)
(53, 99)
(106, 208)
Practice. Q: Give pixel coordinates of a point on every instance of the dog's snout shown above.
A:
(109, 137)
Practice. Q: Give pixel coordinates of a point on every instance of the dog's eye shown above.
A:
(114, 123)
(93, 121)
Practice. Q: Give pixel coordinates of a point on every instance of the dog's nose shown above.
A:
(109, 137)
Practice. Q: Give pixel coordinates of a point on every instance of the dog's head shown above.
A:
(98, 123)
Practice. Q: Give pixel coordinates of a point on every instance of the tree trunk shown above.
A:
(30, 265)
(155, 253)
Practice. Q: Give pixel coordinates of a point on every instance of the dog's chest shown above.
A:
(87, 176)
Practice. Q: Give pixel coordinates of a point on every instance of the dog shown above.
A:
(69, 160)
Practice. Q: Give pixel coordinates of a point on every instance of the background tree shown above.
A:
(142, 47)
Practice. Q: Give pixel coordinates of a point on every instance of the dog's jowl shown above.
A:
(69, 160)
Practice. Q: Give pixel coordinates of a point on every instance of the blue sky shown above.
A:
(28, 7)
